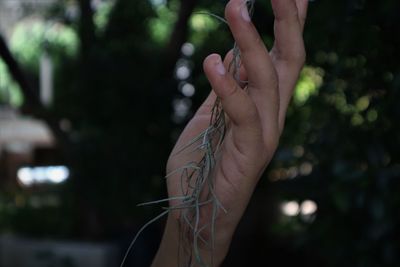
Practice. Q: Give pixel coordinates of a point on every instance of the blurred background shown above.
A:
(93, 95)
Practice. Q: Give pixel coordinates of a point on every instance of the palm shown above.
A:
(232, 166)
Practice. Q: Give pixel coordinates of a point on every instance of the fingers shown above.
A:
(206, 107)
(302, 6)
(242, 72)
(288, 29)
(262, 78)
(237, 104)
(254, 54)
(265, 72)
(288, 52)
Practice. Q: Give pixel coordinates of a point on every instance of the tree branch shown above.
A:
(31, 96)
(86, 27)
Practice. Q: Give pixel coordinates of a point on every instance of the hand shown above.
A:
(255, 118)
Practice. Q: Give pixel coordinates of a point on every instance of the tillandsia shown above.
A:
(197, 182)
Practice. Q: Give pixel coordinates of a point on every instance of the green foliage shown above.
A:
(31, 37)
(160, 27)
(10, 92)
(309, 82)
(347, 130)
(201, 25)
(102, 15)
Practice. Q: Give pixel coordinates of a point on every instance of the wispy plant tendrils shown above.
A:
(221, 19)
(197, 182)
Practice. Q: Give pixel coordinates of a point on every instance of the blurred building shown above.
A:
(24, 141)
(20, 140)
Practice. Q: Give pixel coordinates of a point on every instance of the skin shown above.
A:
(255, 119)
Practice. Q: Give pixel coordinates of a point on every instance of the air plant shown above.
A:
(197, 181)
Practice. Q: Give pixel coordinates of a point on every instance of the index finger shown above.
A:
(254, 54)
(262, 78)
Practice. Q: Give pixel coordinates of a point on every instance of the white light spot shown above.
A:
(182, 107)
(57, 174)
(25, 176)
(43, 175)
(290, 208)
(308, 207)
(183, 72)
(187, 49)
(188, 90)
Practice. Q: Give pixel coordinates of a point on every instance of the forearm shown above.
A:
(168, 253)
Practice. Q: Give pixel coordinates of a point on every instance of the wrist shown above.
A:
(171, 250)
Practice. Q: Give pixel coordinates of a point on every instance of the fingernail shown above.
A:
(220, 68)
(245, 12)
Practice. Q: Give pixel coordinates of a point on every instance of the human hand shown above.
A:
(255, 118)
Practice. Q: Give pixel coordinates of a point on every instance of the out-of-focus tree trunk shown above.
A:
(32, 102)
(88, 223)
(180, 32)
(86, 27)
